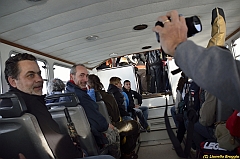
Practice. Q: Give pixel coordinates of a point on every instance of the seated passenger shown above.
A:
(212, 112)
(115, 87)
(78, 85)
(141, 111)
(23, 75)
(55, 86)
(179, 97)
(130, 128)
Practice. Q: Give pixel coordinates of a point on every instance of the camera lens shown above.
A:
(194, 25)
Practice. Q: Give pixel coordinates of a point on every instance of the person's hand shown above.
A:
(137, 106)
(173, 33)
(110, 126)
(21, 156)
(87, 86)
(169, 58)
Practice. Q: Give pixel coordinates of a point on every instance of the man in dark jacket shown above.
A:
(77, 84)
(155, 69)
(23, 75)
(140, 111)
(115, 87)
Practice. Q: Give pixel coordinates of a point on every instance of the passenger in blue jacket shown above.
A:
(77, 84)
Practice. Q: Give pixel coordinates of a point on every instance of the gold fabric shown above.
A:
(209, 107)
(218, 31)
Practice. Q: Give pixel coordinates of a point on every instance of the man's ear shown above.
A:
(71, 76)
(12, 81)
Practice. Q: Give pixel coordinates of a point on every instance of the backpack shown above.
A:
(186, 112)
(225, 139)
(228, 134)
(191, 99)
(113, 145)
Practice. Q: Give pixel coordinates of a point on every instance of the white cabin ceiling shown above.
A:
(60, 27)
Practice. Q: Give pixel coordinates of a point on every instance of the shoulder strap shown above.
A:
(173, 138)
(192, 117)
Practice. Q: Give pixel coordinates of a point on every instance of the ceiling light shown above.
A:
(92, 38)
(36, 2)
(140, 27)
(113, 54)
(146, 47)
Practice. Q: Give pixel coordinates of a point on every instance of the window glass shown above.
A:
(1, 89)
(236, 49)
(61, 72)
(43, 68)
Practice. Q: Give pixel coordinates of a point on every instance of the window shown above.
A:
(43, 68)
(236, 49)
(61, 72)
(1, 89)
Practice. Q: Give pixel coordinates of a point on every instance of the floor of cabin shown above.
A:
(156, 144)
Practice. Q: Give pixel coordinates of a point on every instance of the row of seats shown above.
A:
(20, 132)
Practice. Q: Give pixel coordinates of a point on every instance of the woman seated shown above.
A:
(55, 86)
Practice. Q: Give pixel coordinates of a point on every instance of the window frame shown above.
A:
(233, 50)
(1, 75)
(61, 65)
(45, 80)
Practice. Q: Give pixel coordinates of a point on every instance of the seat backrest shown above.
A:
(19, 131)
(78, 117)
(102, 107)
(223, 111)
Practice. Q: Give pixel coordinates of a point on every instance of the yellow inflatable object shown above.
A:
(218, 31)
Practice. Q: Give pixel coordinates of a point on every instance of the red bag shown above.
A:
(233, 124)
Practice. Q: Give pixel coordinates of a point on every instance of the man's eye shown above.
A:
(31, 75)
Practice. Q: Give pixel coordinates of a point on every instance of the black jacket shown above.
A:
(131, 95)
(111, 105)
(119, 98)
(61, 145)
(153, 57)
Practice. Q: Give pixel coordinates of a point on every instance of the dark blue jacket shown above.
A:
(119, 99)
(97, 121)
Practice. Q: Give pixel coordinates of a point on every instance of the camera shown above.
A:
(193, 23)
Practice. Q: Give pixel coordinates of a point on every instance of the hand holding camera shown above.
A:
(173, 29)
